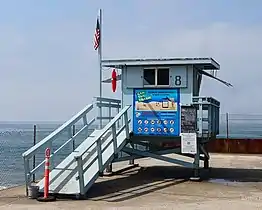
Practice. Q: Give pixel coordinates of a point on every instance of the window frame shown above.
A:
(156, 70)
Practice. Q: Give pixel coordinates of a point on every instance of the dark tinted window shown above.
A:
(149, 76)
(163, 76)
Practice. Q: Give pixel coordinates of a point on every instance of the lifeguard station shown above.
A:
(160, 113)
(167, 114)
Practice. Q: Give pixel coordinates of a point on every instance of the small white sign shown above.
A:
(188, 143)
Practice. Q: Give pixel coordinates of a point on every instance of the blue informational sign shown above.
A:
(156, 112)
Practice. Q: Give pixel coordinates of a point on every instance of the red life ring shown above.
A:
(114, 80)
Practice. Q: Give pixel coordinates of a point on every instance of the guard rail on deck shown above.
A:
(109, 104)
(47, 141)
(207, 116)
(110, 127)
(206, 101)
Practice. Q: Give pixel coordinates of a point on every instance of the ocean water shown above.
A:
(16, 138)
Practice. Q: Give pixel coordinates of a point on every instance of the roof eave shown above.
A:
(204, 63)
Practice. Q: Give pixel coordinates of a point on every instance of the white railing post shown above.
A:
(100, 115)
(114, 137)
(70, 135)
(126, 125)
(85, 120)
(80, 174)
(27, 174)
(85, 123)
(73, 134)
(109, 112)
(118, 123)
(99, 155)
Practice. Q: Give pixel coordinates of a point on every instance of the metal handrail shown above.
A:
(206, 100)
(40, 145)
(47, 141)
(110, 126)
(112, 100)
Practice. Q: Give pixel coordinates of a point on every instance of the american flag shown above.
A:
(97, 35)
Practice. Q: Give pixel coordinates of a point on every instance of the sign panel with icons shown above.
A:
(156, 112)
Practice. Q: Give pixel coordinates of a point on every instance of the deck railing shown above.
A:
(47, 142)
(112, 107)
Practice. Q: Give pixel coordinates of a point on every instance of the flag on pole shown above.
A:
(97, 35)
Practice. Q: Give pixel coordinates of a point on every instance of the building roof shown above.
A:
(201, 63)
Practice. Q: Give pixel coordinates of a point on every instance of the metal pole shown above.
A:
(74, 132)
(109, 112)
(34, 139)
(227, 126)
(100, 64)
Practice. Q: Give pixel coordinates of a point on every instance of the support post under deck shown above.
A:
(206, 157)
(132, 161)
(206, 163)
(196, 176)
(109, 168)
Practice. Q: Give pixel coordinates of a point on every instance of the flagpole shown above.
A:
(100, 65)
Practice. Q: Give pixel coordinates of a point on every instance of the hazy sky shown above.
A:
(49, 69)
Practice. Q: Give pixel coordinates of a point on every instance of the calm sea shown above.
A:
(16, 138)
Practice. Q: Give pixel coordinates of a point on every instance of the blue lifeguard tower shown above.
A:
(167, 114)
(160, 112)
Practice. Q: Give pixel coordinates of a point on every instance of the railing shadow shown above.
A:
(143, 181)
(137, 183)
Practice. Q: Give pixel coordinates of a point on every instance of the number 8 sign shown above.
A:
(178, 81)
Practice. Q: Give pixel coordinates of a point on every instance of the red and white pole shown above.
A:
(47, 171)
(46, 197)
